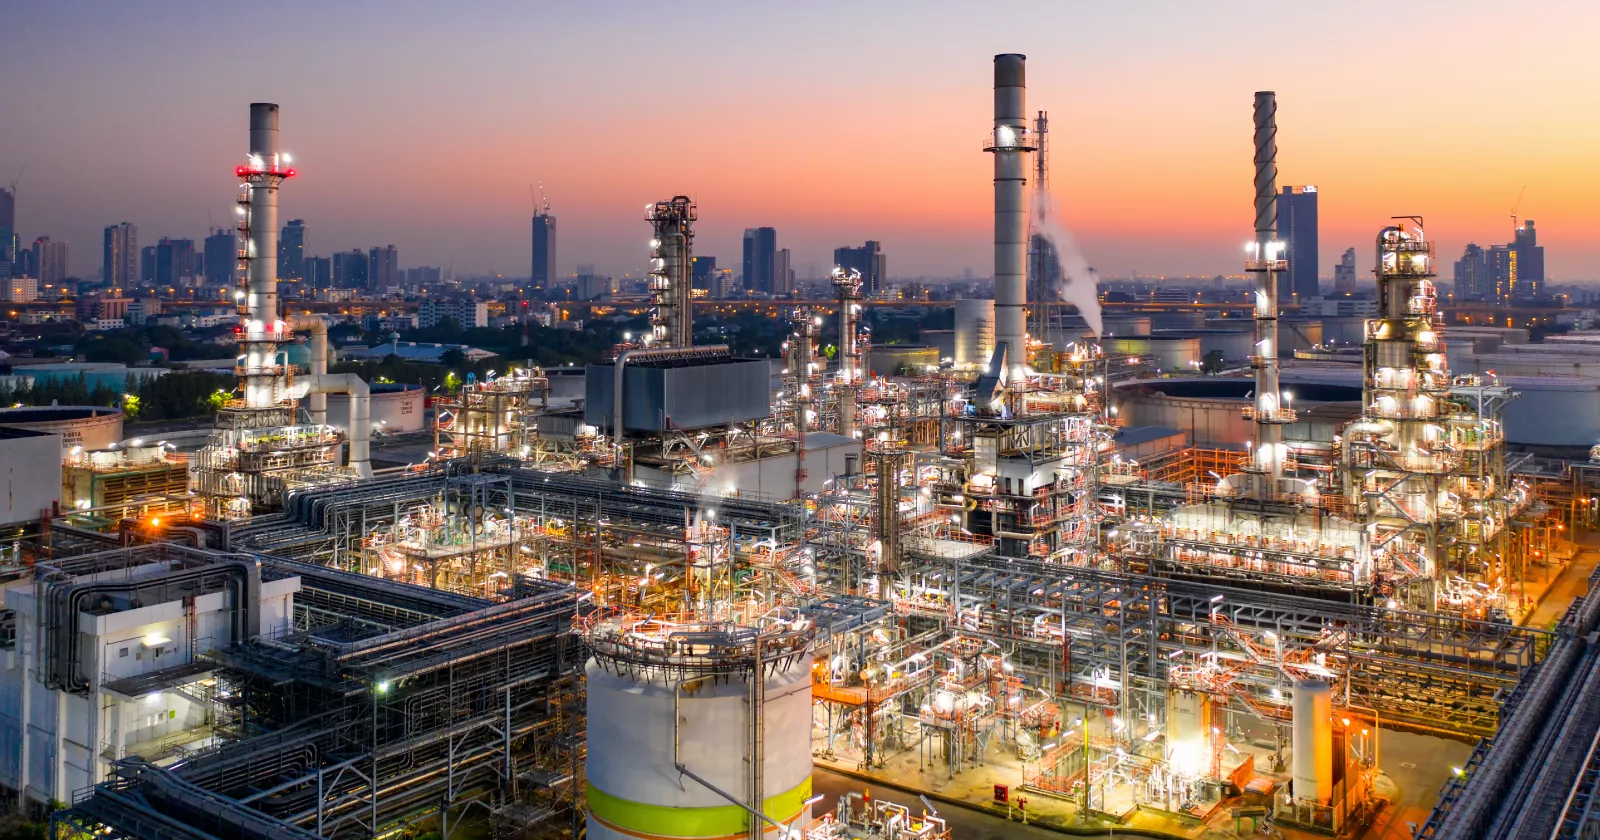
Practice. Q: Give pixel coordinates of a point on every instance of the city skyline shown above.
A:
(1127, 127)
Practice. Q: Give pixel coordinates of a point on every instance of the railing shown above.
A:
(1269, 415)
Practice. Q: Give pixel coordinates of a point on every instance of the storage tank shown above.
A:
(396, 408)
(1554, 411)
(888, 359)
(1234, 344)
(1179, 320)
(1171, 352)
(1125, 325)
(1312, 744)
(1188, 731)
(1208, 409)
(942, 341)
(1344, 330)
(664, 696)
(85, 426)
(974, 333)
(1298, 334)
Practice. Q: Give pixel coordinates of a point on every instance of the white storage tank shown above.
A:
(395, 408)
(1312, 745)
(974, 340)
(85, 426)
(1235, 345)
(663, 696)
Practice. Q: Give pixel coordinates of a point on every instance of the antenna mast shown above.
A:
(1041, 253)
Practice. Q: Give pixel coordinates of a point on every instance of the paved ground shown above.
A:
(1571, 582)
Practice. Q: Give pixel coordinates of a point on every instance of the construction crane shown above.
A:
(1515, 208)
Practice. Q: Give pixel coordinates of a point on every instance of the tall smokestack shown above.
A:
(1266, 260)
(263, 329)
(1010, 145)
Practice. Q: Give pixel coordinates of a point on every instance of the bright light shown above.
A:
(383, 687)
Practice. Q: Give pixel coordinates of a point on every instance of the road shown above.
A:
(964, 824)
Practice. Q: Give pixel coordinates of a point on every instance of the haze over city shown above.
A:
(424, 125)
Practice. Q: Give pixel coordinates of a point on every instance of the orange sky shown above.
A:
(422, 126)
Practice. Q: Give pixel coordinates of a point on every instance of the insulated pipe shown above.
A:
(1010, 146)
(317, 402)
(1266, 257)
(360, 439)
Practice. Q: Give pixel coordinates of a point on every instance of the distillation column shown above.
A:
(1010, 145)
(849, 285)
(264, 383)
(1266, 260)
(671, 253)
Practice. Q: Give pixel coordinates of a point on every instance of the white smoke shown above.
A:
(1077, 279)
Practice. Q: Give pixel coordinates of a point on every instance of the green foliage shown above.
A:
(177, 396)
(1212, 363)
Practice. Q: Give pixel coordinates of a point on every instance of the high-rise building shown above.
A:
(467, 314)
(422, 277)
(1530, 262)
(222, 257)
(147, 264)
(175, 259)
(319, 272)
(292, 251)
(543, 274)
(760, 257)
(702, 270)
(120, 266)
(1297, 228)
(1474, 280)
(870, 260)
(1344, 274)
(1504, 273)
(26, 264)
(383, 267)
(350, 270)
(782, 273)
(49, 260)
(8, 231)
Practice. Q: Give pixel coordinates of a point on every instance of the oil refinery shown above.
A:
(674, 606)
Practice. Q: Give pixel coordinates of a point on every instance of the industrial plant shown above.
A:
(663, 607)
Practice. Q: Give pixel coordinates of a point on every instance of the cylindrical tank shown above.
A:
(889, 359)
(1312, 744)
(1188, 725)
(1126, 325)
(1344, 330)
(1173, 353)
(1298, 334)
(974, 333)
(86, 426)
(651, 720)
(1234, 344)
(395, 409)
(1179, 320)
(1553, 411)
(942, 341)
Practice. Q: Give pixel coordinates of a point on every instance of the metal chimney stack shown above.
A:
(1266, 260)
(263, 330)
(1010, 144)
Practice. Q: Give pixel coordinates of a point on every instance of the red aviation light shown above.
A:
(289, 174)
(240, 171)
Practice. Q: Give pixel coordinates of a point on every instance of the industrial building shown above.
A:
(652, 600)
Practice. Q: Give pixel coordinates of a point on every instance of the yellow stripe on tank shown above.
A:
(651, 821)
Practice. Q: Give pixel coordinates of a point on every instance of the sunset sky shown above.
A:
(423, 123)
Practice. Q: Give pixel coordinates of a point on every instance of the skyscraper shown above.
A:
(760, 256)
(1530, 262)
(870, 260)
(543, 274)
(120, 266)
(292, 251)
(1504, 273)
(782, 273)
(1473, 279)
(383, 267)
(175, 259)
(147, 264)
(350, 270)
(8, 231)
(1344, 274)
(1297, 226)
(319, 272)
(222, 257)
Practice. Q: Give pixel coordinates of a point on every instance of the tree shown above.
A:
(1212, 363)
(453, 358)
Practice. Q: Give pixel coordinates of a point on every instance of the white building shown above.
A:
(468, 314)
(114, 669)
(21, 289)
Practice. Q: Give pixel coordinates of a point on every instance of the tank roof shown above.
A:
(54, 413)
